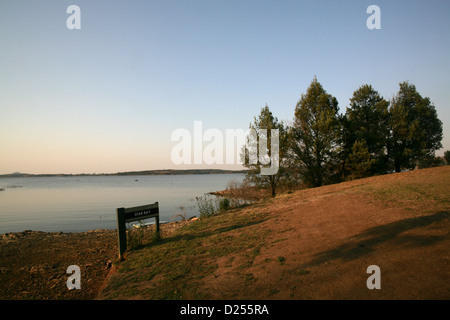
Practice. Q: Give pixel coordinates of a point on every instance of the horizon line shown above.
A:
(136, 172)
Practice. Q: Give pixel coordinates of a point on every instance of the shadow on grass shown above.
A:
(194, 234)
(367, 241)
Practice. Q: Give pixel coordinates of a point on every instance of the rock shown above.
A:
(34, 269)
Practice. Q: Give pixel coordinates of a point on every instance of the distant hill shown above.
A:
(15, 174)
(128, 173)
(173, 172)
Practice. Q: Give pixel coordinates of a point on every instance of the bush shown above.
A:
(224, 204)
(135, 238)
(181, 213)
(207, 205)
(430, 161)
(142, 236)
(447, 156)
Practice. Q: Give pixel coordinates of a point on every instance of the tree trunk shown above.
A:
(273, 186)
(397, 165)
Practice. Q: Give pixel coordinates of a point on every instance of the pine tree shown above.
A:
(316, 135)
(416, 131)
(447, 157)
(266, 121)
(367, 119)
(360, 161)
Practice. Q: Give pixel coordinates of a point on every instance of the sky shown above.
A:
(107, 97)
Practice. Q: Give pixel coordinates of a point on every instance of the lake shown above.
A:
(82, 203)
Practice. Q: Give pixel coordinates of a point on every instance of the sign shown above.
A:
(142, 212)
(125, 215)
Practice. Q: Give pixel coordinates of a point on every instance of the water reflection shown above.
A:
(73, 204)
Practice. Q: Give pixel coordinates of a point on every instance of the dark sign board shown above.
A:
(142, 212)
(134, 214)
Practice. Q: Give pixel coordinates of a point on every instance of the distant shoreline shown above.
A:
(126, 173)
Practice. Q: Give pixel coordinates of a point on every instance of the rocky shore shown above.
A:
(33, 264)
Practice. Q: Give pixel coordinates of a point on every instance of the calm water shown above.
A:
(75, 204)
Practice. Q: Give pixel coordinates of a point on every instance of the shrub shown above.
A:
(224, 204)
(135, 238)
(181, 213)
(447, 157)
(142, 236)
(207, 205)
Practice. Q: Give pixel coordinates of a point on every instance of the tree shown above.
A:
(416, 131)
(367, 120)
(315, 135)
(262, 141)
(447, 157)
(429, 161)
(360, 161)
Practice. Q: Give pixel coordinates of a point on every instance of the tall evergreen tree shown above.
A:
(367, 119)
(315, 135)
(360, 161)
(447, 157)
(416, 131)
(267, 121)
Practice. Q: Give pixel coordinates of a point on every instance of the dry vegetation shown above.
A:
(309, 244)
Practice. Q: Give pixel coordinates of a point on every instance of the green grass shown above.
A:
(408, 190)
(404, 192)
(302, 272)
(173, 268)
(281, 260)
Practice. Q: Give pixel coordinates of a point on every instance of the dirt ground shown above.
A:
(321, 243)
(324, 239)
(33, 264)
(316, 255)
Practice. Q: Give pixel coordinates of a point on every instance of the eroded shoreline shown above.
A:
(33, 264)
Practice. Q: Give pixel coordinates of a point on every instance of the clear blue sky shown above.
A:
(107, 97)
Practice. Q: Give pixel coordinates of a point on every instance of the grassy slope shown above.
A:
(311, 244)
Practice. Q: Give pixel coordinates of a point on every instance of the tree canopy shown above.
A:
(373, 136)
(416, 131)
(315, 135)
(261, 145)
(367, 120)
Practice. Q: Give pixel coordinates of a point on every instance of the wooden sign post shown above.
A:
(125, 215)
